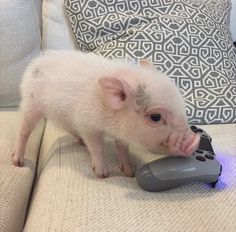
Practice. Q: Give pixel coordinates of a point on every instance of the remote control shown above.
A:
(170, 172)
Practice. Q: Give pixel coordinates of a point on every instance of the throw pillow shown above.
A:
(189, 40)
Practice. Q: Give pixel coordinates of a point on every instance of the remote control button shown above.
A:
(208, 156)
(200, 158)
(199, 151)
(194, 130)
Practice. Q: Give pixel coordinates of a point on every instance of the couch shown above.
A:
(56, 190)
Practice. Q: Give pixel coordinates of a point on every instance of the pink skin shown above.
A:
(112, 108)
(95, 145)
(30, 119)
(182, 142)
(123, 158)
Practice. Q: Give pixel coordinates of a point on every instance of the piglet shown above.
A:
(91, 96)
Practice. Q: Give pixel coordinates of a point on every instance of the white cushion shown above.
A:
(56, 30)
(233, 20)
(20, 42)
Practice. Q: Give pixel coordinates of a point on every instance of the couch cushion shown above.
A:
(56, 30)
(20, 42)
(68, 196)
(15, 183)
(188, 40)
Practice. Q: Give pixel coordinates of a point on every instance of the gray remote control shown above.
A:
(171, 172)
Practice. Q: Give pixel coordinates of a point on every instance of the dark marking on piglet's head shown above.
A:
(142, 97)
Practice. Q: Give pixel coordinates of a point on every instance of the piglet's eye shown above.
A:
(155, 117)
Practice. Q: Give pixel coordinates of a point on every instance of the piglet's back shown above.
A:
(57, 67)
(63, 78)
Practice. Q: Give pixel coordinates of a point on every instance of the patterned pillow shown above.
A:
(189, 40)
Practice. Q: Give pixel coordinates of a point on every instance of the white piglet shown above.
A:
(90, 96)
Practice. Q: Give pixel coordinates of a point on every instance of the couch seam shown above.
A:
(35, 174)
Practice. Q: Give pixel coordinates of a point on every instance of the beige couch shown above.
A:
(56, 189)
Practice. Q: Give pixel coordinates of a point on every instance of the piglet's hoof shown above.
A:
(127, 171)
(100, 170)
(16, 161)
(101, 173)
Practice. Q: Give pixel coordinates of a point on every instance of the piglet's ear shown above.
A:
(117, 92)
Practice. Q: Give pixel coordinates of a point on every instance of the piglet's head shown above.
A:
(145, 108)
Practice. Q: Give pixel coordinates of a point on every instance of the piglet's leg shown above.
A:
(123, 157)
(28, 122)
(95, 144)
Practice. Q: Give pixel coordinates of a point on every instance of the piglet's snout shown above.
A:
(182, 143)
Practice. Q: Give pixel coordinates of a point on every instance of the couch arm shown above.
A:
(16, 183)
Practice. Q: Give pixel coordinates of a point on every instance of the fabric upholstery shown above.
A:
(56, 30)
(15, 183)
(20, 41)
(68, 196)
